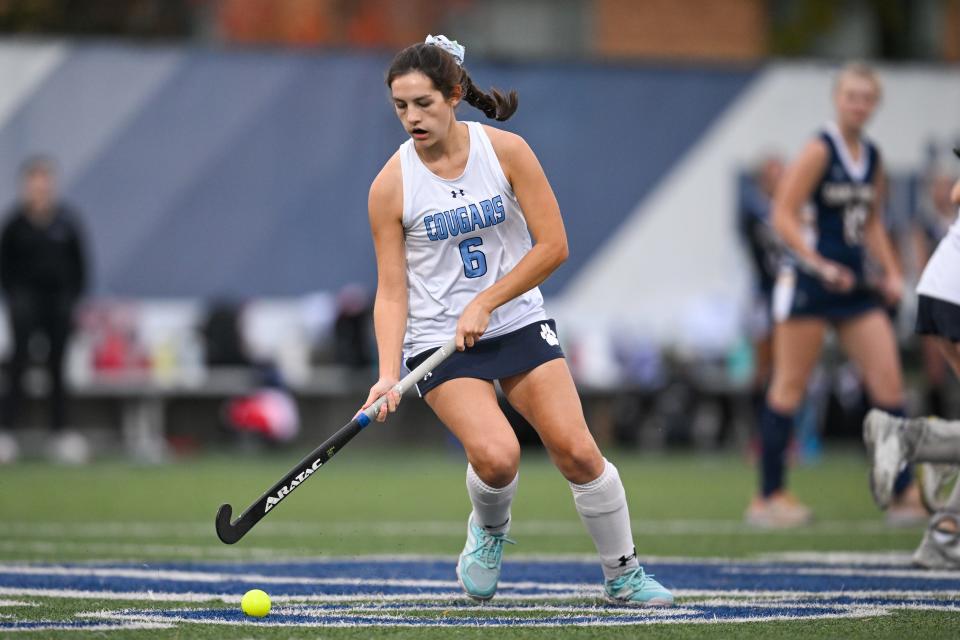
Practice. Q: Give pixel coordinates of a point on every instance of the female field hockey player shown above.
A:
(893, 441)
(452, 214)
(839, 172)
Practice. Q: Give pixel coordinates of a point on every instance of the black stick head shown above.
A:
(227, 533)
(956, 151)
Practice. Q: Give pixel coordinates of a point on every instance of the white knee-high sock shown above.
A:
(602, 505)
(952, 504)
(491, 507)
(932, 440)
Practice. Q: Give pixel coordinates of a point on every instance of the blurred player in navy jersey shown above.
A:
(839, 173)
(894, 441)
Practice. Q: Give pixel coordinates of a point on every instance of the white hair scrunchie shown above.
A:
(452, 47)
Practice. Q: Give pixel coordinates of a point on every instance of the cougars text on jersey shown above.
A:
(453, 222)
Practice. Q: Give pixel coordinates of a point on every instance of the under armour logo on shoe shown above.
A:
(625, 559)
(454, 193)
(548, 335)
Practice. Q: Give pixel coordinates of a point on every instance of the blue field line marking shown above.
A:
(685, 613)
(422, 588)
(537, 577)
(77, 625)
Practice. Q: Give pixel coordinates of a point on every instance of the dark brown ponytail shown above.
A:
(445, 73)
(494, 105)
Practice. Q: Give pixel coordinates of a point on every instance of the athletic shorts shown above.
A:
(799, 295)
(936, 317)
(501, 357)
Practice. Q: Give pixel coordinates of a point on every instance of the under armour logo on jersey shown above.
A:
(427, 377)
(454, 193)
(625, 559)
(548, 335)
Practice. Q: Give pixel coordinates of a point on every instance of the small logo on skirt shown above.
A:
(548, 334)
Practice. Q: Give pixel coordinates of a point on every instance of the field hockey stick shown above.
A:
(860, 285)
(229, 532)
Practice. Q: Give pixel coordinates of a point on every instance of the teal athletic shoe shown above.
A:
(637, 588)
(478, 570)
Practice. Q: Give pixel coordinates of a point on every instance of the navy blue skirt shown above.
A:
(493, 358)
(936, 317)
(809, 297)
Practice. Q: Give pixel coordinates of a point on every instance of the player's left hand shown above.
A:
(471, 325)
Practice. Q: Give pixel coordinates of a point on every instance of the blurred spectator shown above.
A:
(43, 273)
(933, 219)
(116, 349)
(269, 410)
(765, 251)
(223, 337)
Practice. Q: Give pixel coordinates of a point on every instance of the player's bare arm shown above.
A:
(542, 212)
(385, 205)
(799, 181)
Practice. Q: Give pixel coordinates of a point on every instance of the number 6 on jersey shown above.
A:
(474, 262)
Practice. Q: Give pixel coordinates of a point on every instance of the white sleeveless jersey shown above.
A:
(941, 276)
(461, 236)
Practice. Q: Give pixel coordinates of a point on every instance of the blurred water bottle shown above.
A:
(164, 361)
(740, 363)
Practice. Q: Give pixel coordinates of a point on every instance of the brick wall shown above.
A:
(951, 31)
(686, 29)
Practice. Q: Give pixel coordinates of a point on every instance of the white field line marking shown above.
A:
(264, 554)
(799, 603)
(132, 596)
(120, 552)
(846, 593)
(776, 603)
(439, 528)
(414, 613)
(219, 550)
(654, 616)
(121, 625)
(817, 597)
(198, 576)
(141, 550)
(176, 575)
(387, 621)
(787, 558)
(16, 603)
(156, 596)
(586, 609)
(212, 577)
(268, 554)
(838, 557)
(863, 572)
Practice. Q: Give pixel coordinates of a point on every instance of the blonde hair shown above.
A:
(860, 70)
